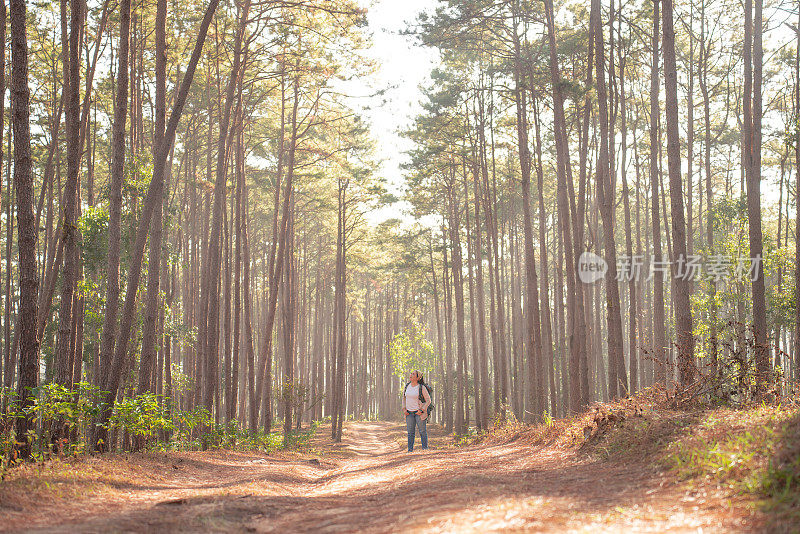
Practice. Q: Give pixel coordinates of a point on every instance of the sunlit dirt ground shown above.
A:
(366, 484)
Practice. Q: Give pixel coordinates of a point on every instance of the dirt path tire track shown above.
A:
(369, 484)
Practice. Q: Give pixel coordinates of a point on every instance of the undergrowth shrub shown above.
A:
(142, 422)
(752, 451)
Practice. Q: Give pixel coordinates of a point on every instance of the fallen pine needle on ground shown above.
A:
(529, 479)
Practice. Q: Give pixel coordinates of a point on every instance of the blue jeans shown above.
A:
(415, 420)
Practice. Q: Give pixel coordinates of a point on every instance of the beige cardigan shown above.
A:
(424, 406)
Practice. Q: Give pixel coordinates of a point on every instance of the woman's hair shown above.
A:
(420, 379)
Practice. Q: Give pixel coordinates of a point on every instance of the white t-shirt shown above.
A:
(412, 398)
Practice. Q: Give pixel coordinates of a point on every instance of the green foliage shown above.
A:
(231, 436)
(757, 454)
(470, 437)
(93, 225)
(410, 350)
(143, 416)
(302, 439)
(94, 306)
(74, 408)
(181, 382)
(722, 304)
(64, 420)
(177, 329)
(296, 393)
(7, 442)
(137, 178)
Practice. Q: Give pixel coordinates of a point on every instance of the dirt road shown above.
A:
(369, 484)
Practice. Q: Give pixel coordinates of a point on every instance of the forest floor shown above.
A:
(514, 481)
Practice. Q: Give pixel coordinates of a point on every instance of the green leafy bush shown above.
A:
(65, 417)
(143, 416)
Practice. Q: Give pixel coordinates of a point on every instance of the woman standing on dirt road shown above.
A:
(416, 400)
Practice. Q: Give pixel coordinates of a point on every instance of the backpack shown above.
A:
(421, 396)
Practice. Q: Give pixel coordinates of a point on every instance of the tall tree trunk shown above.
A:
(659, 318)
(754, 204)
(547, 333)
(458, 286)
(533, 342)
(681, 283)
(447, 373)
(108, 336)
(703, 82)
(317, 347)
(476, 357)
(339, 316)
(8, 370)
(233, 394)
(481, 300)
(250, 354)
(289, 306)
(562, 157)
(23, 182)
(633, 311)
(209, 326)
(154, 259)
(796, 359)
(10, 354)
(69, 228)
(690, 140)
(606, 196)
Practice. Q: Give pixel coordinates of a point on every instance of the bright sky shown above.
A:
(402, 67)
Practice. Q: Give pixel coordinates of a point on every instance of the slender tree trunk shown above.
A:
(703, 82)
(476, 358)
(606, 197)
(447, 373)
(659, 318)
(547, 334)
(481, 300)
(238, 223)
(154, 259)
(339, 316)
(69, 228)
(681, 284)
(796, 359)
(533, 342)
(10, 355)
(458, 286)
(562, 157)
(289, 306)
(250, 355)
(8, 371)
(754, 205)
(108, 338)
(23, 182)
(633, 311)
(317, 347)
(690, 141)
